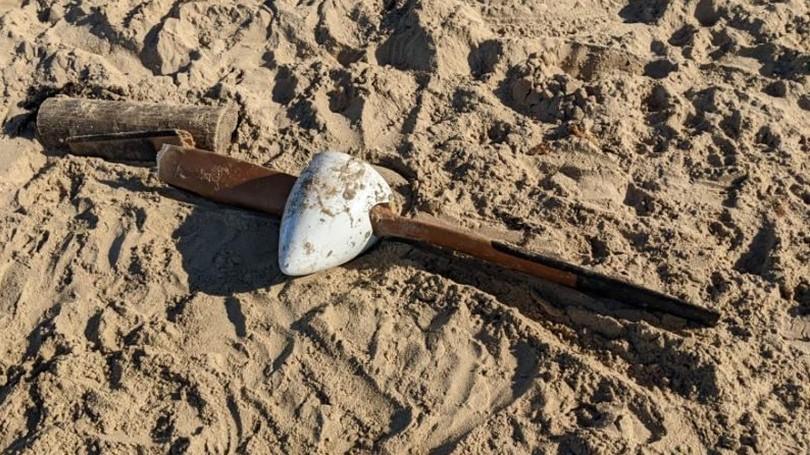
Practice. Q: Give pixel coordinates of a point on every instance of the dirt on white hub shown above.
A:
(326, 221)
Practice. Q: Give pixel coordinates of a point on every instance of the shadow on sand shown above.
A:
(228, 251)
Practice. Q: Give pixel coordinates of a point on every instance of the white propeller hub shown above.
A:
(326, 220)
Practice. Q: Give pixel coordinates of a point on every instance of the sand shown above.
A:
(661, 141)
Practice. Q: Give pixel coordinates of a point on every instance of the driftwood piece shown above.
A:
(60, 118)
(134, 146)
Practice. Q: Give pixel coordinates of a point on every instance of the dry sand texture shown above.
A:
(666, 141)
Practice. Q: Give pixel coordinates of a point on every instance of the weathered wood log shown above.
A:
(60, 118)
(135, 146)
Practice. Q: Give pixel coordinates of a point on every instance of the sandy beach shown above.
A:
(662, 142)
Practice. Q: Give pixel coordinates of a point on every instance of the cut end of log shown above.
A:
(226, 126)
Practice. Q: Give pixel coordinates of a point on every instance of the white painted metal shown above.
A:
(326, 220)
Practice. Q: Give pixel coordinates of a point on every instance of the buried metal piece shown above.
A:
(130, 146)
(326, 221)
(341, 205)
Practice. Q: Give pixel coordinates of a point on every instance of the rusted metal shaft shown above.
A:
(132, 146)
(224, 179)
(433, 232)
